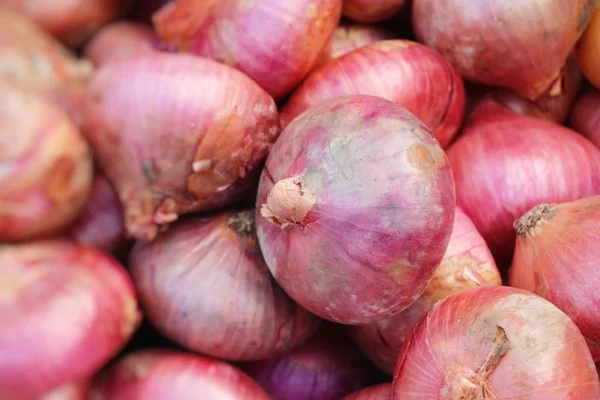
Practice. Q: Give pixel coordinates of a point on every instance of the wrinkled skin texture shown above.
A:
(347, 38)
(557, 258)
(371, 11)
(504, 164)
(467, 263)
(45, 166)
(326, 367)
(205, 285)
(416, 78)
(521, 46)
(170, 150)
(585, 116)
(546, 357)
(174, 375)
(383, 391)
(274, 42)
(384, 193)
(83, 299)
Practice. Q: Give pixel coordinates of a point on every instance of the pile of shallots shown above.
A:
(299, 200)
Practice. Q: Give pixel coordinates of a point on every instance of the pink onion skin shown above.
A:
(174, 375)
(120, 40)
(416, 78)
(383, 391)
(504, 164)
(179, 150)
(521, 47)
(276, 43)
(69, 391)
(467, 263)
(585, 116)
(354, 160)
(83, 299)
(347, 38)
(327, 367)
(369, 11)
(556, 257)
(540, 353)
(181, 273)
(100, 223)
(46, 169)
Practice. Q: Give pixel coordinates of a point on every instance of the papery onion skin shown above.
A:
(100, 223)
(46, 169)
(495, 342)
(585, 116)
(327, 367)
(588, 50)
(331, 228)
(416, 78)
(467, 263)
(69, 391)
(120, 40)
(504, 164)
(205, 285)
(556, 257)
(174, 375)
(83, 300)
(368, 11)
(520, 46)
(170, 150)
(383, 391)
(72, 22)
(347, 38)
(274, 42)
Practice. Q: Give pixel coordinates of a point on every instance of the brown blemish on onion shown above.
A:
(242, 223)
(398, 271)
(61, 179)
(391, 45)
(419, 156)
(533, 221)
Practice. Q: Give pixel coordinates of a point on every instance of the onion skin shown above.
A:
(120, 40)
(504, 164)
(588, 50)
(181, 273)
(585, 116)
(347, 38)
(181, 150)
(46, 169)
(521, 46)
(350, 161)
(556, 257)
(69, 391)
(327, 367)
(416, 78)
(467, 263)
(495, 342)
(84, 300)
(174, 375)
(100, 223)
(276, 43)
(368, 11)
(383, 391)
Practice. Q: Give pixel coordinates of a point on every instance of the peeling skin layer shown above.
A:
(547, 358)
(170, 150)
(382, 217)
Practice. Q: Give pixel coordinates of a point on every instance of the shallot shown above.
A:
(372, 11)
(172, 146)
(383, 391)
(356, 207)
(585, 116)
(495, 342)
(588, 50)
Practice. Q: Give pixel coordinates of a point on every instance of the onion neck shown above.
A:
(532, 222)
(288, 203)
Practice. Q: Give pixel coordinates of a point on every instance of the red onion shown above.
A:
(327, 367)
(588, 54)
(383, 391)
(416, 78)
(66, 310)
(170, 150)
(100, 224)
(504, 164)
(357, 204)
(585, 116)
(173, 375)
(274, 42)
(467, 263)
(71, 21)
(46, 169)
(347, 38)
(372, 11)
(521, 46)
(69, 391)
(120, 40)
(205, 285)
(556, 257)
(495, 343)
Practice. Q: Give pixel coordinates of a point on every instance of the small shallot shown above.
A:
(585, 116)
